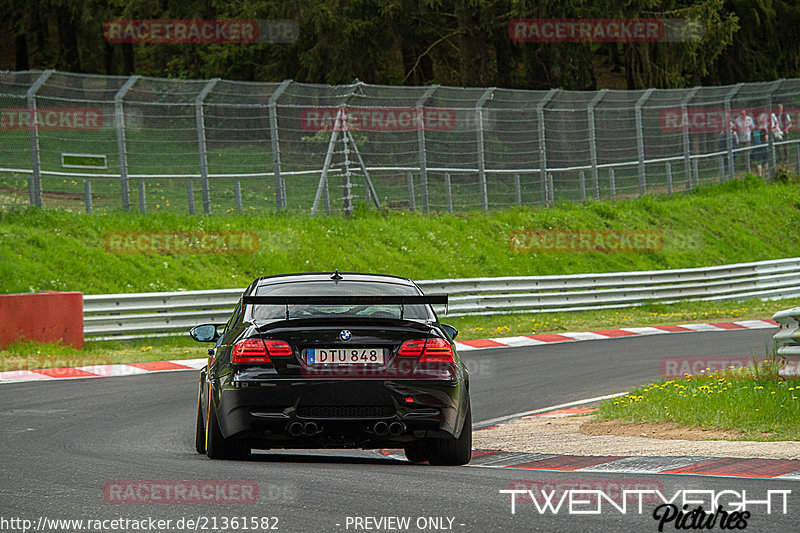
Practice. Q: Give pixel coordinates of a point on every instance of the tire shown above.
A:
(450, 451)
(200, 426)
(217, 446)
(416, 453)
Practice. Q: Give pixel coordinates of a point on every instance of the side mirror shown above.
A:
(204, 333)
(451, 330)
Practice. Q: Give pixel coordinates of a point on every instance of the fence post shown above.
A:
(640, 140)
(347, 184)
(729, 138)
(190, 196)
(119, 121)
(546, 194)
(201, 142)
(423, 159)
(481, 151)
(322, 188)
(593, 141)
(448, 192)
(280, 184)
(87, 194)
(35, 183)
(696, 172)
(612, 182)
(772, 156)
(721, 169)
(582, 180)
(237, 191)
(517, 189)
(142, 199)
(412, 201)
(550, 191)
(669, 177)
(797, 158)
(687, 156)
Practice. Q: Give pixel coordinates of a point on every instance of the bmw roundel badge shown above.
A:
(345, 335)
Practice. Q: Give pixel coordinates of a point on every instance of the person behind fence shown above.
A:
(785, 125)
(722, 143)
(743, 131)
(760, 140)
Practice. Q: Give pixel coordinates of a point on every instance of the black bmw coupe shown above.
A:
(334, 361)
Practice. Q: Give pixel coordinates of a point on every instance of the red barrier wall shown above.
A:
(42, 317)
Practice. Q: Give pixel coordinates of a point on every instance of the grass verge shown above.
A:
(744, 220)
(29, 355)
(738, 221)
(753, 402)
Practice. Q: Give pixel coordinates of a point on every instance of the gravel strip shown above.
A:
(562, 436)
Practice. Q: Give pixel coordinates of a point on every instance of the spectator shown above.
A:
(743, 130)
(760, 140)
(722, 144)
(785, 125)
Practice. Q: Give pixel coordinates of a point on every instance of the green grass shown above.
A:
(734, 222)
(752, 402)
(738, 221)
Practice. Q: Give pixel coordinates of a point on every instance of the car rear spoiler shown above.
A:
(345, 300)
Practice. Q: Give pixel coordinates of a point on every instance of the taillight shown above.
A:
(437, 351)
(412, 348)
(259, 351)
(432, 350)
(278, 349)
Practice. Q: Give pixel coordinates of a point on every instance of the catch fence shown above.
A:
(98, 143)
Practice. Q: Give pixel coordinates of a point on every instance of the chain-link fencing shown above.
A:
(98, 143)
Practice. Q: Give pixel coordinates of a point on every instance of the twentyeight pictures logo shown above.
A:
(200, 31)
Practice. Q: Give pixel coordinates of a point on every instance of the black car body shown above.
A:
(334, 361)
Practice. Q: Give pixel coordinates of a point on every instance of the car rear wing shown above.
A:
(402, 301)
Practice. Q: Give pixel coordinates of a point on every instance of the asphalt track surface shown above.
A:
(64, 441)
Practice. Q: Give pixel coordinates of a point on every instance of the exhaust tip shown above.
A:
(396, 429)
(381, 428)
(310, 428)
(295, 429)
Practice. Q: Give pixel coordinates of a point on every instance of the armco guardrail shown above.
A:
(163, 312)
(787, 340)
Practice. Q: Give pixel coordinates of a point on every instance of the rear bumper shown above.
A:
(286, 413)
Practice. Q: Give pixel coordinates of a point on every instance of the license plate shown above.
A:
(344, 356)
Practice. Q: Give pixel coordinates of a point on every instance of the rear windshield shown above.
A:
(263, 312)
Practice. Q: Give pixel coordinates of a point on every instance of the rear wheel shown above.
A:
(416, 453)
(217, 446)
(200, 426)
(450, 451)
